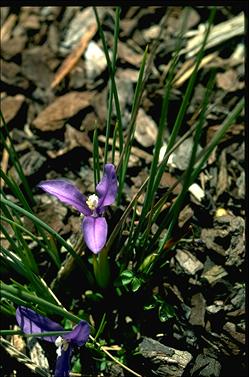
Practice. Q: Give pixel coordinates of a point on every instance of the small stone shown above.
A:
(197, 191)
(95, 60)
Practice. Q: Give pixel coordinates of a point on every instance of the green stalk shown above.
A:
(96, 169)
(114, 141)
(125, 155)
(101, 269)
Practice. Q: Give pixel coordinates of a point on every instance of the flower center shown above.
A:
(61, 344)
(92, 202)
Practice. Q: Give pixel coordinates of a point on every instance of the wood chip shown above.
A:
(18, 342)
(206, 366)
(164, 360)
(73, 139)
(228, 81)
(11, 106)
(169, 180)
(55, 115)
(198, 306)
(188, 262)
(218, 34)
(13, 47)
(180, 157)
(182, 77)
(7, 27)
(214, 274)
(146, 129)
(128, 55)
(35, 66)
(197, 192)
(230, 328)
(4, 162)
(31, 163)
(222, 184)
(74, 56)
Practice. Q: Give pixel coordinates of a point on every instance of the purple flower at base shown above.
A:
(31, 322)
(94, 224)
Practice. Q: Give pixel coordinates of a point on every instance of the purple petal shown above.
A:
(66, 193)
(107, 187)
(79, 335)
(31, 322)
(95, 233)
(63, 363)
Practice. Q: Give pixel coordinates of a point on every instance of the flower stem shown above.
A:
(101, 269)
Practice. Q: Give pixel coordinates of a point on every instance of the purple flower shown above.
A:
(94, 224)
(31, 322)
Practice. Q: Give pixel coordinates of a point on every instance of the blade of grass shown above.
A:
(15, 294)
(111, 73)
(35, 335)
(21, 249)
(114, 141)
(202, 158)
(130, 137)
(20, 266)
(14, 158)
(175, 209)
(191, 83)
(48, 246)
(151, 187)
(36, 220)
(96, 169)
(111, 90)
(205, 153)
(154, 47)
(185, 101)
(173, 213)
(18, 193)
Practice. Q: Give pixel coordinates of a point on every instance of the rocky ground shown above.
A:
(54, 82)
